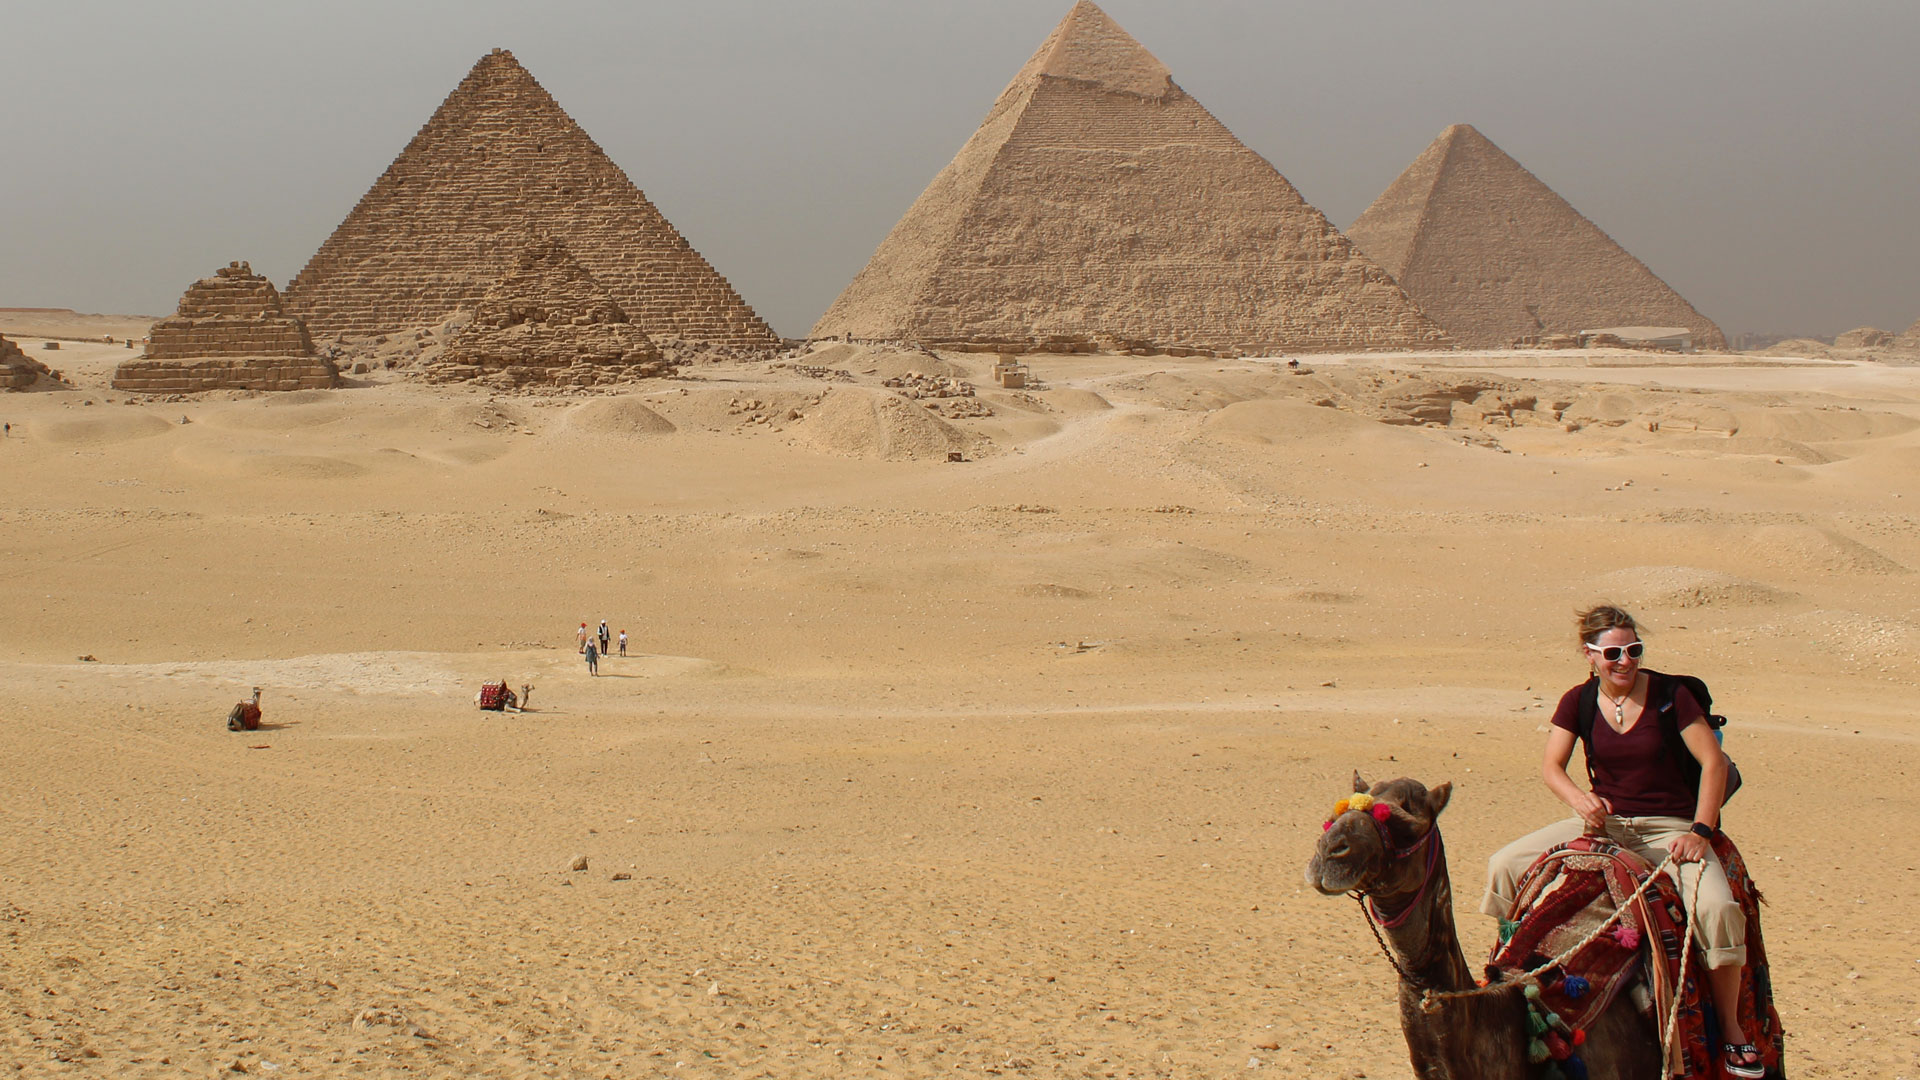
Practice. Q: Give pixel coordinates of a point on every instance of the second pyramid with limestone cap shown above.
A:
(1495, 256)
(1098, 202)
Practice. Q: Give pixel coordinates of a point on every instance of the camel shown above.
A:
(1400, 866)
(245, 715)
(508, 702)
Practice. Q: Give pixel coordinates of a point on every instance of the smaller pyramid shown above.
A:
(1910, 337)
(548, 321)
(18, 371)
(497, 159)
(1495, 257)
(230, 332)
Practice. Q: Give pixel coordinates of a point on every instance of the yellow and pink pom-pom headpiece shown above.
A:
(1362, 802)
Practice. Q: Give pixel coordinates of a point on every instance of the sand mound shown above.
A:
(1823, 424)
(1272, 421)
(1069, 400)
(860, 423)
(273, 414)
(300, 467)
(1804, 547)
(1683, 587)
(105, 430)
(619, 416)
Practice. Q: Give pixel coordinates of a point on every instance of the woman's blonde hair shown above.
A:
(1598, 620)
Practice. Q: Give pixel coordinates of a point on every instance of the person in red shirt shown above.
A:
(1644, 799)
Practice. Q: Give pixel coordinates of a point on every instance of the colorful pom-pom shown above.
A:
(1360, 801)
(1557, 1047)
(1576, 987)
(1533, 990)
(1536, 1051)
(1507, 930)
(1579, 1037)
(1536, 1024)
(1381, 812)
(1342, 807)
(1627, 936)
(1327, 824)
(1576, 1068)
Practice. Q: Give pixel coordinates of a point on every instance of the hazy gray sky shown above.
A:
(1761, 156)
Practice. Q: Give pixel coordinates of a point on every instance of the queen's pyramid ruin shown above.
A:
(1495, 257)
(548, 321)
(230, 332)
(1099, 204)
(500, 160)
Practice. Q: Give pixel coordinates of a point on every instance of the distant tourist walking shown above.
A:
(593, 657)
(623, 643)
(584, 635)
(605, 638)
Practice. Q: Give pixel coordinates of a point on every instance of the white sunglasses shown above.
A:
(1612, 653)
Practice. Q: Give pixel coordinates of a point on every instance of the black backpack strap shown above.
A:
(1588, 710)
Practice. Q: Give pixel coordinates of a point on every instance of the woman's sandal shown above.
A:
(1752, 1071)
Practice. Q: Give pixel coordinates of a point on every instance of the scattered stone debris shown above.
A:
(578, 864)
(814, 372)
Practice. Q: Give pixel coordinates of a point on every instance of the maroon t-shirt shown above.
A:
(1635, 771)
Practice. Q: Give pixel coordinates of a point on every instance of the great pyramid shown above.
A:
(1494, 256)
(499, 160)
(1100, 203)
(548, 321)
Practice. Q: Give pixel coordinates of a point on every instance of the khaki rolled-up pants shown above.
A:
(1719, 926)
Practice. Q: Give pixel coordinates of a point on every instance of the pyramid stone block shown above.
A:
(229, 333)
(548, 321)
(1495, 257)
(498, 160)
(1099, 203)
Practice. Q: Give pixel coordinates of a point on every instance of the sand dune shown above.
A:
(1005, 766)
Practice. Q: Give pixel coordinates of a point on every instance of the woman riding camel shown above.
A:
(1646, 799)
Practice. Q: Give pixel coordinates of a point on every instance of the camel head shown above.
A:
(1354, 851)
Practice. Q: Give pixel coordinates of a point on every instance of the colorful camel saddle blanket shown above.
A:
(495, 695)
(1565, 907)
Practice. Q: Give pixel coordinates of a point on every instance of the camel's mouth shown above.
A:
(1331, 878)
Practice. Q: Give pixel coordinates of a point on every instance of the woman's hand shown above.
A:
(1592, 809)
(1689, 847)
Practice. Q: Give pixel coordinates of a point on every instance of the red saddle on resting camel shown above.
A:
(1571, 891)
(494, 696)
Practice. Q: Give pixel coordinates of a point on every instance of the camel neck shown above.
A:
(1422, 935)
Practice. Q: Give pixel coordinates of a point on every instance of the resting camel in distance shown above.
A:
(1462, 1038)
(508, 702)
(245, 715)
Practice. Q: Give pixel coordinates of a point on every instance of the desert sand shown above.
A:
(1006, 766)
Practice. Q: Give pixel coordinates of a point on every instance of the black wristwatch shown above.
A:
(1702, 829)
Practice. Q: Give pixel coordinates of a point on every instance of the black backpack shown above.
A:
(1661, 689)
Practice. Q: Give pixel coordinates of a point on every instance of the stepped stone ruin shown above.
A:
(18, 371)
(1495, 257)
(548, 321)
(230, 333)
(497, 161)
(1099, 204)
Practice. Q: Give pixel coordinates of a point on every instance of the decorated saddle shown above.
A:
(495, 696)
(1566, 906)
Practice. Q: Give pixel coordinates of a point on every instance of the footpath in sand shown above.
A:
(1006, 766)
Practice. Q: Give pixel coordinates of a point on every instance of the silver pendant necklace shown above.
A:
(1619, 708)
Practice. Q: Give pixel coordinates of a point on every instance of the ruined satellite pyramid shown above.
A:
(499, 160)
(1494, 256)
(1099, 203)
(548, 321)
(230, 332)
